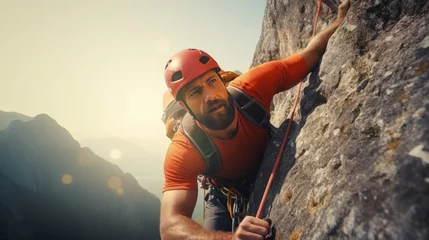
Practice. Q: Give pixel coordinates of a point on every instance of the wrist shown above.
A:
(337, 22)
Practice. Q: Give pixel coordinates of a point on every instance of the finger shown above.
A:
(260, 230)
(260, 222)
(268, 220)
(250, 236)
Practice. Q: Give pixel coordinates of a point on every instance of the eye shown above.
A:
(212, 81)
(195, 92)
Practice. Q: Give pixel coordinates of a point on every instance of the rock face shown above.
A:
(356, 165)
(51, 188)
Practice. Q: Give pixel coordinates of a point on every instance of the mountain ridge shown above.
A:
(45, 171)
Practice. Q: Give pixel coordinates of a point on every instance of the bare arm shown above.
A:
(176, 223)
(317, 46)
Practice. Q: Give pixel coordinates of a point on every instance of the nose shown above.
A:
(209, 95)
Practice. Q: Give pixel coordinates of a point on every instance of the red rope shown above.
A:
(276, 165)
(319, 2)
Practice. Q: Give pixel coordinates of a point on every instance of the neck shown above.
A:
(227, 133)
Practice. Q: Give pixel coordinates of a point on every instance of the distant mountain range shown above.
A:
(144, 164)
(7, 117)
(52, 188)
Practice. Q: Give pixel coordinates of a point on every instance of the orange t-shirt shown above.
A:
(242, 154)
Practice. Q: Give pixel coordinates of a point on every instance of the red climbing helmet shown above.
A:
(185, 66)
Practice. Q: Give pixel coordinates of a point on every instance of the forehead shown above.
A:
(196, 82)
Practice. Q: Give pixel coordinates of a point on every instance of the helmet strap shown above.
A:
(189, 110)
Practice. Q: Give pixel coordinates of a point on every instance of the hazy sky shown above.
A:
(96, 66)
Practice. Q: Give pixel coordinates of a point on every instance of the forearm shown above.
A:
(318, 44)
(182, 227)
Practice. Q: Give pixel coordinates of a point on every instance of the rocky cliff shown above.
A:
(51, 188)
(356, 165)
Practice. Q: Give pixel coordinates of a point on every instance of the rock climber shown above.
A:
(192, 78)
(173, 112)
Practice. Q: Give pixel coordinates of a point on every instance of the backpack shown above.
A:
(249, 107)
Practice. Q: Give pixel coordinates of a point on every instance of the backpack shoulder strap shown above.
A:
(205, 146)
(250, 108)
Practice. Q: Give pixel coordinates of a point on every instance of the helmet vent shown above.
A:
(176, 76)
(166, 65)
(204, 59)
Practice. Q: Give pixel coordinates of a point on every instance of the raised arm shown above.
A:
(265, 80)
(317, 46)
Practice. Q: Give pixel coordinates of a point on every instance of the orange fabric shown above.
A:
(228, 76)
(242, 154)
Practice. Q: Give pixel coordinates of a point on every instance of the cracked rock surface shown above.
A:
(356, 164)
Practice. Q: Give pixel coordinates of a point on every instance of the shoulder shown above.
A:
(263, 81)
(258, 76)
(182, 165)
(251, 85)
(182, 156)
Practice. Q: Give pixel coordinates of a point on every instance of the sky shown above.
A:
(96, 66)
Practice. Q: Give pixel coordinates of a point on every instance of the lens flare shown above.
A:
(114, 182)
(67, 179)
(120, 191)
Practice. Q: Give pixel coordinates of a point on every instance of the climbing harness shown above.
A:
(236, 203)
(289, 125)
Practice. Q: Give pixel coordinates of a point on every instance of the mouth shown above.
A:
(215, 108)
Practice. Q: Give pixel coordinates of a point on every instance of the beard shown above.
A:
(218, 120)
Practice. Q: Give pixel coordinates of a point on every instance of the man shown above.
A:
(192, 78)
(173, 112)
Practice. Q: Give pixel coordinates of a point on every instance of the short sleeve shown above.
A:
(264, 81)
(182, 165)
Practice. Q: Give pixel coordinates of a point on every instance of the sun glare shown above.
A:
(115, 153)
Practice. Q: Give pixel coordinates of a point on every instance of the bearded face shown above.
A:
(217, 114)
(209, 101)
